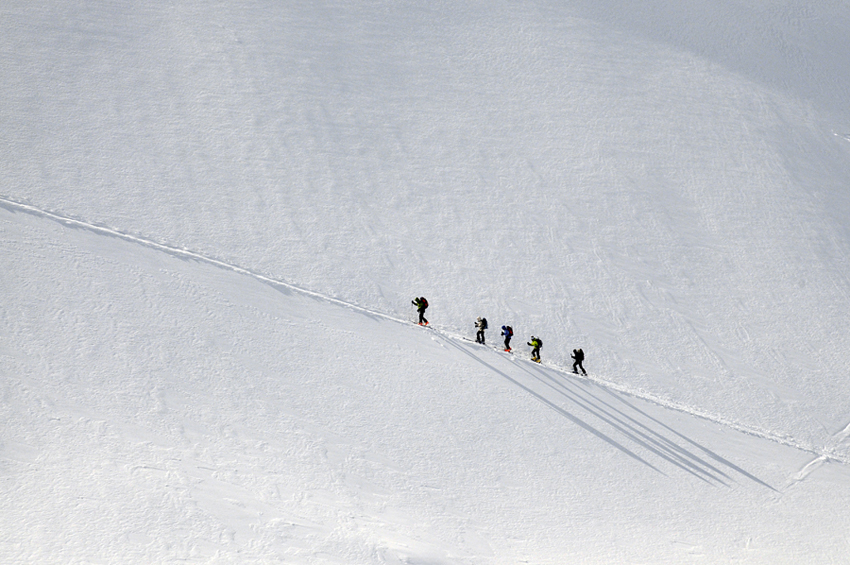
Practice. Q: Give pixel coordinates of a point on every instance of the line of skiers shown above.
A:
(507, 332)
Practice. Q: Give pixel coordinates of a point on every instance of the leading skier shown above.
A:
(421, 305)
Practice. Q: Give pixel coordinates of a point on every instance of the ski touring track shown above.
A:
(822, 454)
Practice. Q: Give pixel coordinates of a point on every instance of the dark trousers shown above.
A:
(507, 342)
(422, 319)
(576, 366)
(535, 353)
(479, 337)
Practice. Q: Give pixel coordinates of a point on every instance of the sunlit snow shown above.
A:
(214, 217)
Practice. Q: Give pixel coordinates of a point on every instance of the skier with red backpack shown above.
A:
(421, 305)
(508, 332)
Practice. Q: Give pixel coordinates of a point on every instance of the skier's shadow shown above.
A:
(638, 425)
(627, 420)
(555, 407)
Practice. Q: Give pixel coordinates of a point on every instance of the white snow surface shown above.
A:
(214, 216)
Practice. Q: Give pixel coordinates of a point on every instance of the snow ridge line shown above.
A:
(13, 205)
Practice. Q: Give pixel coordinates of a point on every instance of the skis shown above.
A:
(475, 341)
(499, 348)
(491, 346)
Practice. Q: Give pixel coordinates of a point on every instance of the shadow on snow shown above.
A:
(557, 390)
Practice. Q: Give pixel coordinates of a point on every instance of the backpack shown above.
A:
(423, 303)
(483, 323)
(509, 331)
(539, 342)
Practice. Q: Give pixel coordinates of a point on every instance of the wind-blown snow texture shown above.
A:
(214, 217)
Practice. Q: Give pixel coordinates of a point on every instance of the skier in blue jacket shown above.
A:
(508, 332)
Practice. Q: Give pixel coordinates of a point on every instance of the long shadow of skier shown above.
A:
(584, 425)
(626, 421)
(705, 450)
(641, 432)
(632, 429)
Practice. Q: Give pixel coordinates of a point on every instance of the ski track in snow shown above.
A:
(823, 454)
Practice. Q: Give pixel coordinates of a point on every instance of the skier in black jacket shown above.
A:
(421, 305)
(481, 324)
(578, 357)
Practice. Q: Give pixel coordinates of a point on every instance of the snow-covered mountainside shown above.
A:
(215, 215)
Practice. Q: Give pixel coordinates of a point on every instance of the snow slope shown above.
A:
(159, 408)
(663, 185)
